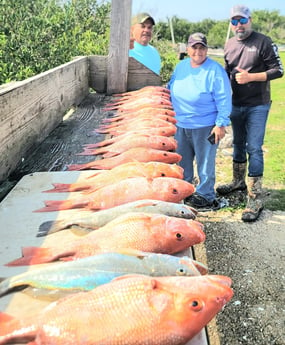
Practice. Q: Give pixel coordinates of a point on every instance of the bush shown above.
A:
(41, 34)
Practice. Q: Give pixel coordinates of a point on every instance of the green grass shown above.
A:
(274, 149)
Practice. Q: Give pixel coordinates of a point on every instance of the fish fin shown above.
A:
(101, 131)
(32, 256)
(203, 269)
(96, 173)
(59, 188)
(67, 258)
(110, 154)
(56, 205)
(147, 203)
(126, 276)
(76, 167)
(5, 318)
(132, 252)
(79, 231)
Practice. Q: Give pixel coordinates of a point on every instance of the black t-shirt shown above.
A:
(257, 53)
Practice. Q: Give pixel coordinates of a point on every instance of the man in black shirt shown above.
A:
(251, 61)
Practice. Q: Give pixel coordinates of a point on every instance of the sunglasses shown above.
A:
(241, 21)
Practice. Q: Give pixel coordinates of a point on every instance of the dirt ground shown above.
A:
(253, 255)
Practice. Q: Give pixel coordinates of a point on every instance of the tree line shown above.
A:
(37, 35)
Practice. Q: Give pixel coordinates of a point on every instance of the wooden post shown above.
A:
(117, 64)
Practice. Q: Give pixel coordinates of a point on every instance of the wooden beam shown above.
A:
(117, 64)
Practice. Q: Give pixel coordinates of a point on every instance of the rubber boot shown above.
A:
(254, 204)
(238, 182)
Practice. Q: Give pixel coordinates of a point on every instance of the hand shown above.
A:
(220, 132)
(243, 77)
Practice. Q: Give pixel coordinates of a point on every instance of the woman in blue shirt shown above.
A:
(201, 97)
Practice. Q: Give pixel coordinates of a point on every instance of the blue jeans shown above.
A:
(248, 124)
(193, 144)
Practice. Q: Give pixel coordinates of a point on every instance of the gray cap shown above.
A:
(240, 11)
(141, 18)
(197, 37)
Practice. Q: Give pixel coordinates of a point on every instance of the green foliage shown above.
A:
(169, 59)
(41, 34)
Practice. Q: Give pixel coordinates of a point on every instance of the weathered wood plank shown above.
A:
(31, 109)
(117, 71)
(61, 146)
(140, 76)
(98, 73)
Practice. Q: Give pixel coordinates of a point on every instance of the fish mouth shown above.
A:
(220, 280)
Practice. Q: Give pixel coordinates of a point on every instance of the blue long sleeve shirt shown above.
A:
(200, 96)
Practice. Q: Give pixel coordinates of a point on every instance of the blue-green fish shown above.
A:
(87, 273)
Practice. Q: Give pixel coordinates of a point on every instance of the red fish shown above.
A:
(132, 310)
(156, 233)
(130, 189)
(131, 141)
(141, 102)
(145, 110)
(118, 120)
(130, 116)
(150, 96)
(167, 131)
(136, 154)
(143, 90)
(133, 125)
(121, 172)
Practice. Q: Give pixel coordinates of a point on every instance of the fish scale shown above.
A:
(90, 272)
(133, 310)
(140, 231)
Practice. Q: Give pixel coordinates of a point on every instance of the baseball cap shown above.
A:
(141, 18)
(197, 37)
(240, 11)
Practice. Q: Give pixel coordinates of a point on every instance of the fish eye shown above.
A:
(163, 175)
(174, 191)
(196, 305)
(179, 236)
(180, 272)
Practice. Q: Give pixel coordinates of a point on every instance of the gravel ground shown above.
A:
(253, 255)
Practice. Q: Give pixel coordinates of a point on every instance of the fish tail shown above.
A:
(59, 188)
(9, 324)
(85, 166)
(101, 131)
(50, 227)
(86, 152)
(91, 146)
(57, 205)
(110, 108)
(110, 154)
(101, 143)
(32, 256)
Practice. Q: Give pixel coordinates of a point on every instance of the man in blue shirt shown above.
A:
(140, 49)
(201, 98)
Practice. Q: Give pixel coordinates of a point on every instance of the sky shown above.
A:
(197, 10)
